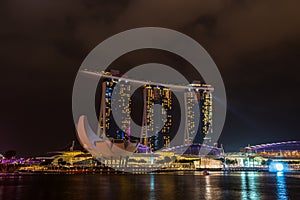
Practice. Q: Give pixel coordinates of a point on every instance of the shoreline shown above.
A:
(113, 171)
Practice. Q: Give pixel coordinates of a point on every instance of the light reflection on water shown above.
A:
(281, 186)
(187, 185)
(249, 186)
(152, 187)
(208, 194)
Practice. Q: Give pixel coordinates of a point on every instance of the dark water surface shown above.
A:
(192, 185)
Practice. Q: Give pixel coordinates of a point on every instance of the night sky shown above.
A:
(254, 43)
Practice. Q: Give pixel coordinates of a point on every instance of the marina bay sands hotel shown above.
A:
(158, 123)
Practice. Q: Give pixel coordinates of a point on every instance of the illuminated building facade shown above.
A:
(198, 106)
(157, 120)
(288, 149)
(158, 113)
(122, 101)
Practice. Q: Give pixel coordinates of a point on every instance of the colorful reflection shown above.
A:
(278, 167)
(152, 187)
(168, 186)
(208, 193)
(281, 186)
(249, 186)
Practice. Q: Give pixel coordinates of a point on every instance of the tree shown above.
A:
(269, 161)
(263, 162)
(61, 162)
(167, 159)
(142, 161)
(174, 158)
(230, 162)
(131, 160)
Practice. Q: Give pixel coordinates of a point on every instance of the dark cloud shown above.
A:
(170, 13)
(254, 25)
(254, 43)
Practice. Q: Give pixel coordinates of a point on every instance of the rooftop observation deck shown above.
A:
(193, 86)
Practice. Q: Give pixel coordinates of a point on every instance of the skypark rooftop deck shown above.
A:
(193, 86)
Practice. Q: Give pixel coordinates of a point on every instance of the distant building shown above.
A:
(158, 111)
(198, 100)
(157, 122)
(265, 155)
(288, 149)
(123, 101)
(70, 157)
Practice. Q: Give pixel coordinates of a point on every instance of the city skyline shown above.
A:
(254, 44)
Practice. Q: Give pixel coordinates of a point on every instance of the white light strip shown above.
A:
(171, 86)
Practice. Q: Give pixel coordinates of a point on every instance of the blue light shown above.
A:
(277, 167)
